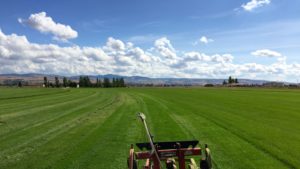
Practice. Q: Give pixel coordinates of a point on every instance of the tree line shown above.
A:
(84, 81)
(231, 80)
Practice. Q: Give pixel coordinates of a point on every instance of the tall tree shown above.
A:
(72, 84)
(81, 81)
(87, 81)
(84, 81)
(122, 82)
(45, 81)
(98, 83)
(65, 82)
(19, 84)
(56, 81)
(236, 80)
(230, 80)
(117, 82)
(114, 82)
(106, 83)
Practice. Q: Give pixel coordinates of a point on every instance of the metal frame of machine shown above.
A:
(156, 152)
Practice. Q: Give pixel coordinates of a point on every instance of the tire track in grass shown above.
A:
(162, 111)
(29, 120)
(40, 139)
(226, 129)
(178, 131)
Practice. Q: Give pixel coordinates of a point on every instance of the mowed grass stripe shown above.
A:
(160, 119)
(40, 114)
(90, 150)
(77, 131)
(44, 105)
(9, 106)
(66, 124)
(24, 103)
(109, 140)
(54, 119)
(15, 93)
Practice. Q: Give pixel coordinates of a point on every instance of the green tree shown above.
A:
(65, 82)
(114, 84)
(72, 84)
(56, 81)
(98, 83)
(230, 80)
(46, 81)
(84, 81)
(19, 84)
(87, 81)
(236, 80)
(106, 83)
(81, 81)
(118, 82)
(122, 82)
(224, 82)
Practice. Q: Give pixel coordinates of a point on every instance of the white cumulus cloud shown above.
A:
(165, 48)
(18, 55)
(205, 40)
(266, 53)
(251, 5)
(45, 24)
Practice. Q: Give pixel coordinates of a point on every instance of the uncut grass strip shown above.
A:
(176, 104)
(228, 135)
(216, 103)
(276, 153)
(222, 123)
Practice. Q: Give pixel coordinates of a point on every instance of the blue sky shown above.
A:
(179, 38)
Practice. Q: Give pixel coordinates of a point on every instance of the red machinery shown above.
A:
(168, 152)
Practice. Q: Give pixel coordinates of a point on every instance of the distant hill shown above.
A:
(33, 78)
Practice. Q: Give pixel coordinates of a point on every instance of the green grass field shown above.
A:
(93, 128)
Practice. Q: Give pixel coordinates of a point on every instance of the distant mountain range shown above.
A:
(34, 78)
